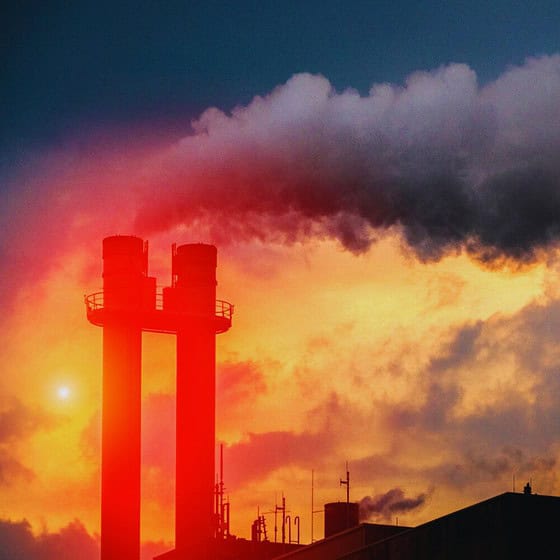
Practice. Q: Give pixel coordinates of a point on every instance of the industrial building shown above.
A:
(504, 527)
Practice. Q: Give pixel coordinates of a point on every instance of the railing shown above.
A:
(95, 302)
(224, 309)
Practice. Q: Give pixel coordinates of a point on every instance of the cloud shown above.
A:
(11, 469)
(17, 541)
(72, 541)
(382, 507)
(460, 349)
(452, 165)
(474, 467)
(17, 423)
(237, 383)
(477, 408)
(486, 405)
(258, 455)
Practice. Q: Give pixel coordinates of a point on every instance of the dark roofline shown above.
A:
(506, 495)
(337, 536)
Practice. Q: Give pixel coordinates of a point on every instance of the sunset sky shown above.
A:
(382, 181)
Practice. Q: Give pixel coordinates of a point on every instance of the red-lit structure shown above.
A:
(128, 305)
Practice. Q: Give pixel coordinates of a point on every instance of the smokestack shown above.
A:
(194, 293)
(127, 306)
(124, 274)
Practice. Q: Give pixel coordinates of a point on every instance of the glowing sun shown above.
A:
(63, 392)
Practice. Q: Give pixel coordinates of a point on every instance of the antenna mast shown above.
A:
(221, 506)
(347, 483)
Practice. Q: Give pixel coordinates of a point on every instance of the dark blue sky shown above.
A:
(71, 65)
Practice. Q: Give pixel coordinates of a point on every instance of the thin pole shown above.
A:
(283, 519)
(347, 483)
(312, 503)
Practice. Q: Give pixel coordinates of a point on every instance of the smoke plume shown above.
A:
(384, 506)
(450, 165)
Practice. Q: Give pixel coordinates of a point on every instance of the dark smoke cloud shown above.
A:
(385, 506)
(451, 165)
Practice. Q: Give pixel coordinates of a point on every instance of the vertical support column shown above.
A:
(194, 268)
(124, 271)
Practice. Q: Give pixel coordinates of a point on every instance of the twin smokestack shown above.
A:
(128, 305)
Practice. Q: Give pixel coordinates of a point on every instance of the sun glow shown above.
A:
(63, 392)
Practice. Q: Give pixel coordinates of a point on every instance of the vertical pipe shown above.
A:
(195, 269)
(312, 504)
(283, 519)
(124, 270)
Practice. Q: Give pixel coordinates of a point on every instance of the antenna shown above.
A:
(347, 483)
(313, 510)
(222, 507)
(312, 503)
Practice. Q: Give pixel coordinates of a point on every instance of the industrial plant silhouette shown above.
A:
(507, 526)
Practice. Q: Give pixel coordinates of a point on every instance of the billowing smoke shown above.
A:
(383, 507)
(451, 165)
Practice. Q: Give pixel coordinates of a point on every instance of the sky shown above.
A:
(383, 186)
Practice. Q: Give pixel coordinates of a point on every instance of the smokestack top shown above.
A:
(194, 264)
(124, 256)
(200, 253)
(123, 245)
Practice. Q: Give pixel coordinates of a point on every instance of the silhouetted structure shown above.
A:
(337, 545)
(505, 527)
(340, 516)
(237, 549)
(128, 305)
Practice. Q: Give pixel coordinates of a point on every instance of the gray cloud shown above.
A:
(501, 465)
(17, 542)
(72, 541)
(459, 350)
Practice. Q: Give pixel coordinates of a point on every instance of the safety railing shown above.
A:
(95, 302)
